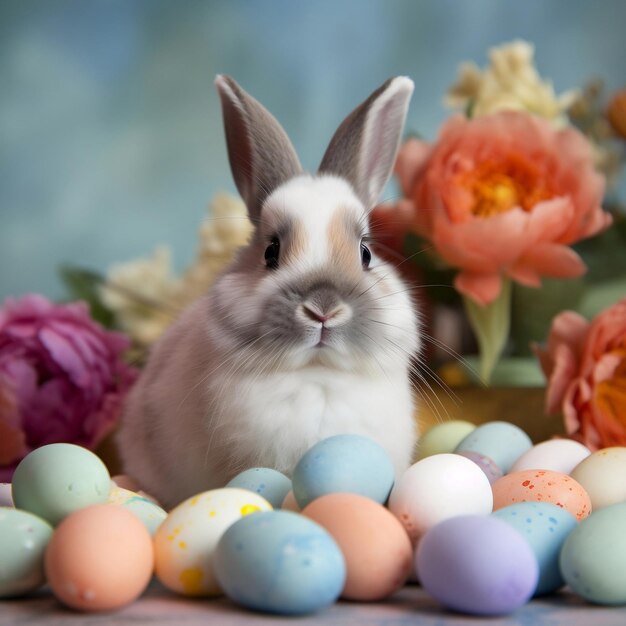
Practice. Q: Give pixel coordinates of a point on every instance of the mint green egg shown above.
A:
(593, 558)
(150, 514)
(443, 438)
(58, 479)
(23, 541)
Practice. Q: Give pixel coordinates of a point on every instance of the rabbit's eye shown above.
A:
(271, 254)
(366, 256)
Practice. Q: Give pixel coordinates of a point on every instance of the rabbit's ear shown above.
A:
(260, 153)
(364, 148)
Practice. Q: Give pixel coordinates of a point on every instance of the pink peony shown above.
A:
(585, 363)
(61, 377)
(502, 195)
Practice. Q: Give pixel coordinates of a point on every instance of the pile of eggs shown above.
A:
(484, 521)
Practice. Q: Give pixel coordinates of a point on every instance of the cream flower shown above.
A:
(510, 82)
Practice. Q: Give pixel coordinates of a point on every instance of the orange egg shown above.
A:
(542, 486)
(374, 543)
(99, 558)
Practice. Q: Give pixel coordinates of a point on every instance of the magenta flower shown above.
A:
(62, 378)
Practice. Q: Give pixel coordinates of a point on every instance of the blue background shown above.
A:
(111, 136)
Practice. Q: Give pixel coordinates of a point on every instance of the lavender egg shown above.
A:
(486, 464)
(477, 564)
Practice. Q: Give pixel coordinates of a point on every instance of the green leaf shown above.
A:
(83, 284)
(491, 324)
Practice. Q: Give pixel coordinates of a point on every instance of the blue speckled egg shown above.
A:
(279, 562)
(546, 527)
(268, 483)
(343, 464)
(502, 442)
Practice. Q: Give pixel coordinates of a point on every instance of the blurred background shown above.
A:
(111, 137)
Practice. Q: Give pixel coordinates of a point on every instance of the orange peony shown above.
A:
(585, 363)
(503, 196)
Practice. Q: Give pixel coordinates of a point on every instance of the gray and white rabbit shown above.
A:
(306, 335)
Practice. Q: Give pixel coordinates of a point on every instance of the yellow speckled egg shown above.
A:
(185, 542)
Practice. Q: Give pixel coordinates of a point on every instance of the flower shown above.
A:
(61, 377)
(511, 82)
(585, 364)
(503, 196)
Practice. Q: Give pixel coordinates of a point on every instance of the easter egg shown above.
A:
(444, 437)
(58, 479)
(594, 556)
(6, 499)
(487, 465)
(502, 442)
(558, 455)
(290, 504)
(542, 486)
(185, 541)
(477, 564)
(279, 562)
(268, 483)
(150, 514)
(377, 550)
(436, 488)
(343, 463)
(100, 558)
(23, 541)
(603, 475)
(546, 527)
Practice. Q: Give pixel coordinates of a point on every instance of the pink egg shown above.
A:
(290, 504)
(374, 544)
(99, 558)
(542, 486)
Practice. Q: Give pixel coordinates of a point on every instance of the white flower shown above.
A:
(510, 82)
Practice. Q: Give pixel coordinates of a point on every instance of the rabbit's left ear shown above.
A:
(364, 148)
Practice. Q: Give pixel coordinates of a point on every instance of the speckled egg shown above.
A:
(502, 442)
(267, 482)
(546, 527)
(186, 540)
(279, 562)
(150, 514)
(593, 557)
(558, 455)
(542, 486)
(343, 463)
(487, 465)
(477, 564)
(58, 479)
(23, 541)
(442, 438)
(436, 488)
(603, 475)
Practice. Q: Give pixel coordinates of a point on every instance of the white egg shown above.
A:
(602, 474)
(558, 455)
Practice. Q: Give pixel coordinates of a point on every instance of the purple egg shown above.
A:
(486, 464)
(477, 564)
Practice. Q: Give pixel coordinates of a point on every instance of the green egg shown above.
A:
(58, 479)
(23, 541)
(443, 438)
(593, 558)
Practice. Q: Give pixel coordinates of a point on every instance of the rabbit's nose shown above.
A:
(338, 315)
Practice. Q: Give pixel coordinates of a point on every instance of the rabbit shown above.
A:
(306, 335)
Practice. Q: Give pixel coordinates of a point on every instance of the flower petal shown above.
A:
(553, 259)
(483, 288)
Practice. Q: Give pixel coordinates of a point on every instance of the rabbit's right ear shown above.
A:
(260, 153)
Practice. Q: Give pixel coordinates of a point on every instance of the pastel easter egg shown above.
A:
(23, 541)
(376, 548)
(100, 558)
(58, 479)
(593, 557)
(502, 442)
(542, 486)
(186, 540)
(477, 564)
(436, 488)
(558, 455)
(487, 465)
(290, 504)
(546, 527)
(279, 562)
(149, 514)
(442, 438)
(267, 482)
(6, 499)
(603, 475)
(343, 463)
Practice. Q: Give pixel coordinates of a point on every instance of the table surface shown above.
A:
(411, 605)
